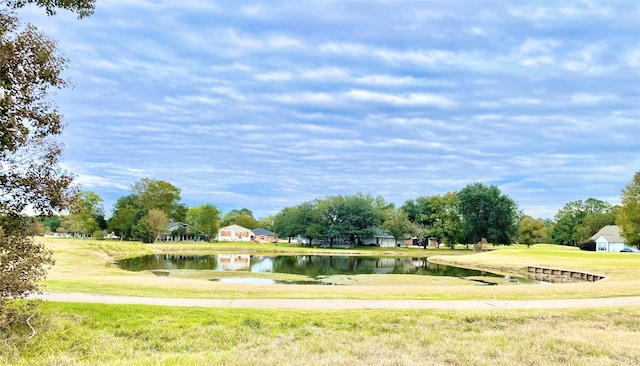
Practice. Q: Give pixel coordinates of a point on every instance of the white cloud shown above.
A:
(404, 99)
(274, 76)
(399, 99)
(381, 79)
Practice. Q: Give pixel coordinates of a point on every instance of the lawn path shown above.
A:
(343, 304)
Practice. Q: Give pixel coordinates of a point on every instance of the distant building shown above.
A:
(235, 233)
(608, 239)
(264, 235)
(180, 232)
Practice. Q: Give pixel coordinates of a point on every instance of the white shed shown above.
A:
(608, 239)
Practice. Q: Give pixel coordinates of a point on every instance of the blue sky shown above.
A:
(268, 104)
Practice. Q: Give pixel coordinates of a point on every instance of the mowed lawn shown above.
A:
(97, 334)
(88, 266)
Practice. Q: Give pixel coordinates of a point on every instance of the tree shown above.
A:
(487, 213)
(578, 220)
(123, 221)
(205, 218)
(152, 225)
(29, 171)
(284, 223)
(88, 212)
(351, 216)
(243, 217)
(629, 214)
(397, 223)
(530, 231)
(153, 193)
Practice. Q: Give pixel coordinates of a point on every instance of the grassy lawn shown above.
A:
(96, 334)
(87, 266)
(90, 334)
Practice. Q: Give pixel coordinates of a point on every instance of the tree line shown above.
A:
(475, 213)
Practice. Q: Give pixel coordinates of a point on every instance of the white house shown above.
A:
(235, 233)
(608, 239)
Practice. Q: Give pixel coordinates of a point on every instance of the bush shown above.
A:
(98, 235)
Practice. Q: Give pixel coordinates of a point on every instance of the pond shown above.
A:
(312, 266)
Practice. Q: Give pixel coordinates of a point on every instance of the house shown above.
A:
(381, 239)
(235, 233)
(608, 239)
(179, 232)
(264, 235)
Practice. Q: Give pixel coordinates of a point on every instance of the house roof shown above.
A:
(234, 227)
(176, 225)
(609, 232)
(382, 234)
(261, 231)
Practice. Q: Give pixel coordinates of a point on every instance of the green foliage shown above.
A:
(205, 218)
(159, 194)
(243, 217)
(351, 216)
(98, 235)
(83, 8)
(530, 231)
(152, 225)
(87, 213)
(487, 214)
(436, 216)
(23, 261)
(578, 220)
(123, 221)
(30, 175)
(629, 214)
(397, 223)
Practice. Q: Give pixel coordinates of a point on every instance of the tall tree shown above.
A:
(123, 221)
(488, 214)
(284, 223)
(351, 216)
(206, 218)
(629, 214)
(160, 194)
(30, 175)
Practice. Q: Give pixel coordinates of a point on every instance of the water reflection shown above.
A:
(309, 265)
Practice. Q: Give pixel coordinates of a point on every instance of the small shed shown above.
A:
(264, 235)
(608, 239)
(234, 233)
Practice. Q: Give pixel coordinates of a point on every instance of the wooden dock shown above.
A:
(560, 275)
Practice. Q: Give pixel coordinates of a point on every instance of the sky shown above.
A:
(266, 105)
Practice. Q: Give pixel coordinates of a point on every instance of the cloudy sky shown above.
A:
(268, 104)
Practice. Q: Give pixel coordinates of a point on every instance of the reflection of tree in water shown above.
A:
(308, 265)
(313, 266)
(169, 261)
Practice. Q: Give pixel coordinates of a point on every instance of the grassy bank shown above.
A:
(89, 334)
(87, 266)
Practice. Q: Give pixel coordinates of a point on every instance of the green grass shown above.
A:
(87, 266)
(90, 334)
(95, 334)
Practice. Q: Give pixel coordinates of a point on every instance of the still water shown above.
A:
(309, 265)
